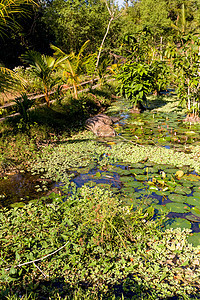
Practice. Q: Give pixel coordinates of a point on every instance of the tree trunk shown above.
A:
(102, 43)
(47, 96)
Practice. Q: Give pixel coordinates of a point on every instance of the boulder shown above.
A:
(101, 125)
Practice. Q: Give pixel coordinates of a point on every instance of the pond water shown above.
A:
(174, 191)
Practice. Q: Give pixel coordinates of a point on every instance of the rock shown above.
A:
(101, 125)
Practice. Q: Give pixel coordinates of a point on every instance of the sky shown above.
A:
(120, 2)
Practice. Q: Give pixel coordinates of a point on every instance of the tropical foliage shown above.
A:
(72, 65)
(43, 67)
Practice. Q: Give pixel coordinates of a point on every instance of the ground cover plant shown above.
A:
(103, 249)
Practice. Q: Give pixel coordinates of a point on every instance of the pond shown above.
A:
(153, 160)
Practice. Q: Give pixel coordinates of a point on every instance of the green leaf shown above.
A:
(178, 223)
(178, 207)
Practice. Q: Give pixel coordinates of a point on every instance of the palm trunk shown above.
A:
(75, 90)
(46, 96)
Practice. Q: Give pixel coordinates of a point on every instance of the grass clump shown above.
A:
(109, 250)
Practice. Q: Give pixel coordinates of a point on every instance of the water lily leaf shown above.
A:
(134, 184)
(137, 165)
(141, 177)
(152, 170)
(137, 171)
(193, 201)
(194, 239)
(195, 211)
(171, 171)
(177, 207)
(182, 190)
(161, 193)
(193, 218)
(123, 172)
(187, 183)
(178, 223)
(192, 177)
(171, 183)
(161, 208)
(177, 198)
(153, 188)
(196, 195)
(179, 174)
(125, 179)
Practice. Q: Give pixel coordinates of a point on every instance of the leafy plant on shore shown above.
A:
(90, 242)
(23, 103)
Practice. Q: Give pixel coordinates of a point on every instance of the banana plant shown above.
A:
(72, 65)
(43, 67)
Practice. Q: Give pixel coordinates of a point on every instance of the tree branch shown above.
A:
(33, 261)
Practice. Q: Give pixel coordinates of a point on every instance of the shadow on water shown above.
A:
(23, 187)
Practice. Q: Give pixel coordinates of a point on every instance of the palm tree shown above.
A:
(43, 67)
(10, 8)
(9, 80)
(72, 65)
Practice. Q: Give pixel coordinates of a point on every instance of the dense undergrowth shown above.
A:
(109, 251)
(20, 140)
(83, 243)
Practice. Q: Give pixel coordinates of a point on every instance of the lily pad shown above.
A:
(177, 198)
(125, 179)
(141, 177)
(137, 171)
(187, 184)
(178, 223)
(195, 211)
(171, 171)
(134, 184)
(193, 201)
(177, 207)
(137, 165)
(162, 193)
(182, 190)
(153, 188)
(196, 195)
(194, 239)
(123, 172)
(193, 218)
(161, 208)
